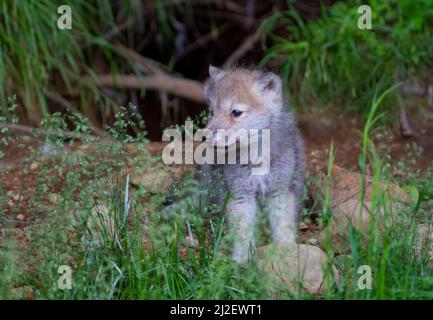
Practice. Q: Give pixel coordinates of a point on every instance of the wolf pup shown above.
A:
(252, 99)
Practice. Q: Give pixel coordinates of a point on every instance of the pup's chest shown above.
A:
(241, 178)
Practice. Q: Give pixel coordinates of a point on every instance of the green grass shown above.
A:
(331, 60)
(44, 66)
(145, 254)
(36, 56)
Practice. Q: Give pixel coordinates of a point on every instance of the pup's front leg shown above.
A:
(242, 218)
(282, 210)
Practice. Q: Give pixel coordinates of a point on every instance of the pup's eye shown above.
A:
(236, 113)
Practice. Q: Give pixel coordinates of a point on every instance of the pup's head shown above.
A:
(241, 99)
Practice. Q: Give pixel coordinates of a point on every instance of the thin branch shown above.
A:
(238, 18)
(430, 95)
(246, 46)
(406, 130)
(202, 41)
(147, 63)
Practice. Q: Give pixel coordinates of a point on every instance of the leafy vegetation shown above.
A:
(332, 60)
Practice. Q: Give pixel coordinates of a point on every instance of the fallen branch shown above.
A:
(159, 80)
(185, 88)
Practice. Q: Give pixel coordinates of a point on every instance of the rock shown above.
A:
(14, 196)
(20, 217)
(316, 124)
(295, 268)
(83, 147)
(48, 149)
(53, 198)
(157, 179)
(313, 242)
(424, 241)
(347, 210)
(34, 166)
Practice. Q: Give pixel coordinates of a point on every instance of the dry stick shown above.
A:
(430, 95)
(111, 34)
(246, 46)
(159, 80)
(66, 104)
(186, 88)
(233, 6)
(405, 126)
(200, 42)
(406, 130)
(231, 16)
(147, 63)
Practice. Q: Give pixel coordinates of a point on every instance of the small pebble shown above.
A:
(53, 197)
(16, 197)
(34, 166)
(313, 242)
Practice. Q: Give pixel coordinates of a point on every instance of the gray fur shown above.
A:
(282, 187)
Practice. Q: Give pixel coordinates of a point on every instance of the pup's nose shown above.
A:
(220, 139)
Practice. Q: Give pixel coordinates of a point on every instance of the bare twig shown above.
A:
(238, 18)
(233, 6)
(147, 63)
(202, 41)
(58, 99)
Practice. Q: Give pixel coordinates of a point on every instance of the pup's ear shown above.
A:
(269, 82)
(215, 73)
